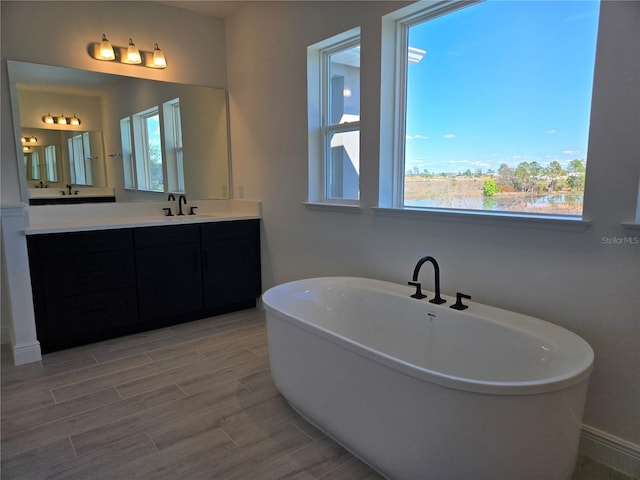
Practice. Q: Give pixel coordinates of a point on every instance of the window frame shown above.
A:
(320, 129)
(393, 110)
(141, 155)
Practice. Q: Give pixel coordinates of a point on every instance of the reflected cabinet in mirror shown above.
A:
(88, 134)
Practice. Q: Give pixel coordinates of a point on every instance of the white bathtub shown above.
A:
(420, 391)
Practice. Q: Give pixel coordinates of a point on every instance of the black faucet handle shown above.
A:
(192, 210)
(168, 212)
(419, 295)
(459, 305)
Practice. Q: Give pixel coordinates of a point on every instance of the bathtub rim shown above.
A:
(530, 387)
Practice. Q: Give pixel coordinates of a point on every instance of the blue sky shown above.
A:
(501, 82)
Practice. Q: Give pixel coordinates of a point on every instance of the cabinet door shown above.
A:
(231, 263)
(81, 319)
(169, 282)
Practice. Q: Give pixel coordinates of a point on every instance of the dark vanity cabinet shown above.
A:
(230, 265)
(168, 263)
(90, 286)
(84, 286)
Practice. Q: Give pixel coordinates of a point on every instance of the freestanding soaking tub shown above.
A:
(420, 391)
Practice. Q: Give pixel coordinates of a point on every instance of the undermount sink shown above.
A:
(184, 218)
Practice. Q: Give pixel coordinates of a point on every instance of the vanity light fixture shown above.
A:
(61, 120)
(28, 139)
(129, 55)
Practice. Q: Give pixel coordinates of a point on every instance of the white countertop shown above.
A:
(86, 217)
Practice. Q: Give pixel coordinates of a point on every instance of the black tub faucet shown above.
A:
(438, 299)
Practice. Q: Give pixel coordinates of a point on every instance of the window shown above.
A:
(148, 151)
(334, 119)
(493, 107)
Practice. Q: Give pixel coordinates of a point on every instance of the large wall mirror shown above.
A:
(135, 138)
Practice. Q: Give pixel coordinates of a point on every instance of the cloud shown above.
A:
(417, 137)
(570, 152)
(551, 132)
(449, 136)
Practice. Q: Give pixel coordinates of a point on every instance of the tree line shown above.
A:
(526, 177)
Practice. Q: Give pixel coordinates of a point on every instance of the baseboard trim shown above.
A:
(26, 353)
(610, 450)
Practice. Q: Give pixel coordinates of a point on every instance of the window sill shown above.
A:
(631, 225)
(336, 207)
(548, 222)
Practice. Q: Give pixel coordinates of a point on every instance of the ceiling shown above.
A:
(212, 8)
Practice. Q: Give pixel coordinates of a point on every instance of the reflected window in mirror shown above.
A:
(32, 162)
(51, 163)
(127, 154)
(148, 151)
(173, 145)
(80, 159)
(41, 163)
(152, 149)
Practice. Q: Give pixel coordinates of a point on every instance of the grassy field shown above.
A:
(456, 192)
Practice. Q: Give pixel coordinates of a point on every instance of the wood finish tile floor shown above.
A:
(193, 401)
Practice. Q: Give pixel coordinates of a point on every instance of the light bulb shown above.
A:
(48, 119)
(74, 120)
(158, 57)
(133, 54)
(106, 50)
(61, 120)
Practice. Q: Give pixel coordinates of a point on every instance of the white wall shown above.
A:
(569, 278)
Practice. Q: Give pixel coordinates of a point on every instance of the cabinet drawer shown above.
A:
(163, 236)
(91, 314)
(227, 230)
(75, 243)
(80, 274)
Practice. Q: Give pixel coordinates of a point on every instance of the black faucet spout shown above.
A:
(181, 199)
(436, 269)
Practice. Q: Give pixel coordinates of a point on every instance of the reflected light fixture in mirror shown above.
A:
(29, 139)
(129, 55)
(61, 120)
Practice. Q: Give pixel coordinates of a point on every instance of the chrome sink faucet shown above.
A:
(438, 299)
